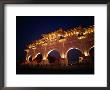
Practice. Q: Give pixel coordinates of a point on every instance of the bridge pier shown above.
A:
(27, 58)
(45, 60)
(27, 55)
(63, 56)
(86, 53)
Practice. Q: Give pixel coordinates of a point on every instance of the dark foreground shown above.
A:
(53, 69)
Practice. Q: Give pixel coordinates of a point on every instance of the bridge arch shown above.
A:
(53, 56)
(91, 51)
(38, 57)
(73, 54)
(71, 49)
(51, 51)
(91, 48)
(29, 58)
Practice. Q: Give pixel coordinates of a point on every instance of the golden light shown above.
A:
(48, 39)
(82, 37)
(85, 53)
(27, 50)
(62, 55)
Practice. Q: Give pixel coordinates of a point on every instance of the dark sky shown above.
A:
(30, 28)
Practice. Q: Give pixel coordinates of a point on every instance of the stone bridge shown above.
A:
(62, 41)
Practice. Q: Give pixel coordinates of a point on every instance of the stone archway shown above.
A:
(53, 56)
(30, 58)
(38, 58)
(91, 53)
(73, 55)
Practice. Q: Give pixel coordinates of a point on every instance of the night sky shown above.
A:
(30, 28)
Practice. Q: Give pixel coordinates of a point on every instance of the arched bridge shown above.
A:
(62, 41)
